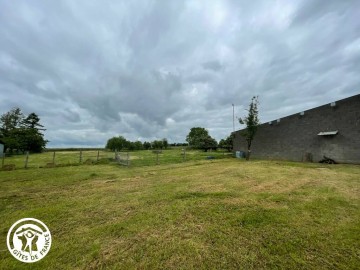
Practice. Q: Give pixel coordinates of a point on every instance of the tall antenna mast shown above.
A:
(233, 118)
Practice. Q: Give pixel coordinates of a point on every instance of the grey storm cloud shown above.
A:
(212, 65)
(154, 69)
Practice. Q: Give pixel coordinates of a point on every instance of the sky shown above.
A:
(149, 70)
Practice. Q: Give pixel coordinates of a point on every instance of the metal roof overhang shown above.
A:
(328, 133)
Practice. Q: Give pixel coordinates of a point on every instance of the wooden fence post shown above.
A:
(53, 158)
(128, 159)
(26, 159)
(3, 161)
(157, 158)
(184, 155)
(97, 157)
(80, 157)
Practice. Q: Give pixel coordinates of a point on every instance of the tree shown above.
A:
(199, 138)
(252, 122)
(33, 121)
(165, 143)
(111, 144)
(10, 122)
(12, 119)
(227, 143)
(208, 143)
(32, 128)
(117, 143)
(147, 145)
(138, 145)
(196, 135)
(157, 144)
(21, 133)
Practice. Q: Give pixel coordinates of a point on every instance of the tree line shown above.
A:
(198, 138)
(119, 143)
(20, 132)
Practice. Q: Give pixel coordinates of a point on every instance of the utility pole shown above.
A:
(233, 118)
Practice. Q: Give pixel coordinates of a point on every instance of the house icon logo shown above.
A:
(29, 240)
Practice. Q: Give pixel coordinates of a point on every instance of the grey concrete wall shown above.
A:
(296, 135)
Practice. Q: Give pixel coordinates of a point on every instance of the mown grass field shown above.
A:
(201, 214)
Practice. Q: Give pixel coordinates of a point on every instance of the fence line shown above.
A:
(51, 159)
(133, 159)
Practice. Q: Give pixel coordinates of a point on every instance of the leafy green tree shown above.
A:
(10, 122)
(11, 140)
(111, 144)
(147, 145)
(157, 144)
(227, 143)
(196, 136)
(222, 144)
(120, 143)
(117, 143)
(208, 143)
(138, 145)
(165, 143)
(131, 146)
(252, 122)
(199, 138)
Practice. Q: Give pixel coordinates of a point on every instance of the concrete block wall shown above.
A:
(296, 134)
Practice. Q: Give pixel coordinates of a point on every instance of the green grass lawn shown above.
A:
(201, 214)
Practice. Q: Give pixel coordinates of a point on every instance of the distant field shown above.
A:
(201, 214)
(137, 158)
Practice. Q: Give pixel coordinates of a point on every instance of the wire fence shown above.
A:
(89, 157)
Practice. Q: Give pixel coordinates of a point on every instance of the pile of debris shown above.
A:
(327, 160)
